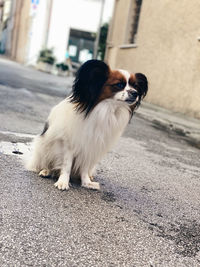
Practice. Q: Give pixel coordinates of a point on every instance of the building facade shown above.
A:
(5, 6)
(18, 30)
(34, 25)
(162, 40)
(81, 15)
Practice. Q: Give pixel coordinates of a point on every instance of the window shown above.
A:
(133, 21)
(81, 45)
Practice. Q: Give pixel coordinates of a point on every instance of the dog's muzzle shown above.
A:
(132, 96)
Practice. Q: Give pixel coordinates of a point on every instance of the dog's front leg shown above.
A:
(63, 180)
(86, 181)
(91, 173)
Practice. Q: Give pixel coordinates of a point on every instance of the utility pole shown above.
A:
(47, 22)
(96, 44)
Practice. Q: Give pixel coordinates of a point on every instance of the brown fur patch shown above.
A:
(132, 80)
(108, 88)
(115, 76)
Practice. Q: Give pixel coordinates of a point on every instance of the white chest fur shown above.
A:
(90, 138)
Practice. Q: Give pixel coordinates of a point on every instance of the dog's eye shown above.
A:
(120, 85)
(134, 85)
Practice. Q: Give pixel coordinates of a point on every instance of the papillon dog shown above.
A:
(84, 126)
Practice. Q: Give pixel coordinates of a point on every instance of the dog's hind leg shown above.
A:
(44, 173)
(63, 180)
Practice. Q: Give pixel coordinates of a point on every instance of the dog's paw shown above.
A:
(44, 173)
(62, 185)
(92, 185)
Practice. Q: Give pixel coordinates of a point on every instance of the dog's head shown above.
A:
(95, 82)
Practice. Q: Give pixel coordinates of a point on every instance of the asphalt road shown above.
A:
(146, 214)
(21, 77)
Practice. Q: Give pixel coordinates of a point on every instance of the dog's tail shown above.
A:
(32, 159)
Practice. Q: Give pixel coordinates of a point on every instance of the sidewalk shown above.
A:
(185, 126)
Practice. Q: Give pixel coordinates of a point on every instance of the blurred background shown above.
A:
(158, 39)
(54, 29)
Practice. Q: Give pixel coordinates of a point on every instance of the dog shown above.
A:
(82, 128)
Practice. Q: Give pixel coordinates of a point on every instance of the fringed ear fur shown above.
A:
(88, 84)
(141, 86)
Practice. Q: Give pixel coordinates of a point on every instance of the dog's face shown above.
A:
(95, 82)
(123, 86)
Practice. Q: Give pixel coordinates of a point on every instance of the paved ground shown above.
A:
(146, 214)
(20, 77)
(186, 127)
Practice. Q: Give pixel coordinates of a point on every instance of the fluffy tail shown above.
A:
(32, 161)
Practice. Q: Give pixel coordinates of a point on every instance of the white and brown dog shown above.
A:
(83, 127)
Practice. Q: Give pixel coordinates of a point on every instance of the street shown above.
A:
(147, 212)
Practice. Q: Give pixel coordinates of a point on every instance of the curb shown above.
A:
(186, 127)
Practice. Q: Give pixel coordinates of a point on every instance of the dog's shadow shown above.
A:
(75, 180)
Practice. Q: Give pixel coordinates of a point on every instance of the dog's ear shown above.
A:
(88, 84)
(141, 84)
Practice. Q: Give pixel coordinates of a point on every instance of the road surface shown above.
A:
(146, 214)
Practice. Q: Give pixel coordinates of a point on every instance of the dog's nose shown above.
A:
(132, 94)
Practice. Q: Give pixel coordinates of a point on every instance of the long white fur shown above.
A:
(71, 136)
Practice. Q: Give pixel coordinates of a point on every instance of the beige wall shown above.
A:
(20, 30)
(167, 51)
